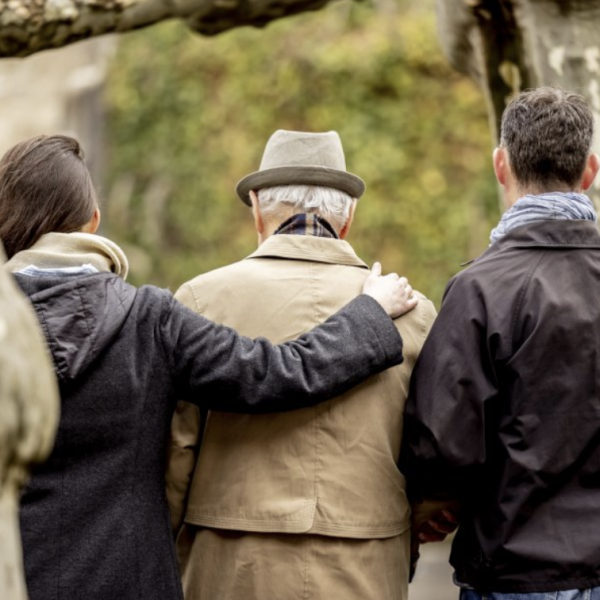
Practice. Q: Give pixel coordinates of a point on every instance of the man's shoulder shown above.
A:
(473, 282)
(218, 274)
(190, 292)
(420, 319)
(496, 267)
(490, 285)
(425, 308)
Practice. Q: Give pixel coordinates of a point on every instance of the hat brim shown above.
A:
(323, 176)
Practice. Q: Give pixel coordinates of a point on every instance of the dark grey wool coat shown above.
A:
(94, 519)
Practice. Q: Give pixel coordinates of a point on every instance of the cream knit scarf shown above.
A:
(62, 250)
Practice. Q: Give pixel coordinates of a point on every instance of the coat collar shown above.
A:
(548, 234)
(315, 249)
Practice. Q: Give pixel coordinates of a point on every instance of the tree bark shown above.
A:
(28, 26)
(29, 409)
(511, 45)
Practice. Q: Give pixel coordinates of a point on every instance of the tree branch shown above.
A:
(28, 26)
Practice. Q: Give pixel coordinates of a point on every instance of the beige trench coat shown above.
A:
(29, 408)
(329, 469)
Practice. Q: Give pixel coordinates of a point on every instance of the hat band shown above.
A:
(304, 175)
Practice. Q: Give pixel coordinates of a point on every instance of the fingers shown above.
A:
(438, 527)
(426, 538)
(393, 292)
(442, 527)
(445, 522)
(376, 270)
(450, 516)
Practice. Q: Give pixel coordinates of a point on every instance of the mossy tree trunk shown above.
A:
(29, 407)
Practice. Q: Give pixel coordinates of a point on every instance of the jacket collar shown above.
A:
(71, 250)
(310, 248)
(548, 234)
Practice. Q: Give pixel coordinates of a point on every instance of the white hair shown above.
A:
(329, 203)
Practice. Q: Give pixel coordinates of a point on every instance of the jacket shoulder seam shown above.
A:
(194, 296)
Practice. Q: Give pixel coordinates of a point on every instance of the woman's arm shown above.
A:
(221, 370)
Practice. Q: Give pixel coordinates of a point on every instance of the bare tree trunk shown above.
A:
(29, 409)
(510, 45)
(28, 26)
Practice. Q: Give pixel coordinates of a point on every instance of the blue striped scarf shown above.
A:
(554, 206)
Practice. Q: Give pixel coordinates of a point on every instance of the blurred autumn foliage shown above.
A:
(189, 116)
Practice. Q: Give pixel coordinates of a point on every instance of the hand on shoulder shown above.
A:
(393, 292)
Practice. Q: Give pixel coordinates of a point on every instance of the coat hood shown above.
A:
(79, 315)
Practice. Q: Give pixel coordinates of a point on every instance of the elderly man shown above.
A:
(505, 399)
(29, 409)
(309, 505)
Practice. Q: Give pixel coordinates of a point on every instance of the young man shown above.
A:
(505, 399)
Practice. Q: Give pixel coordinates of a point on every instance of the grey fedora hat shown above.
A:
(302, 158)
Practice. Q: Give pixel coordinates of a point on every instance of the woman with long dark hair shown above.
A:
(93, 518)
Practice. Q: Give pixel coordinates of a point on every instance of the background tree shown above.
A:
(190, 116)
(28, 26)
(29, 406)
(510, 45)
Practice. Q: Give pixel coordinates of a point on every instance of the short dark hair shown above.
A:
(44, 187)
(547, 133)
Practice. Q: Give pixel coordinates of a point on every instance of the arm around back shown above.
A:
(221, 370)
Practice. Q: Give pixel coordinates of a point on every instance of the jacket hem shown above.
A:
(533, 586)
(297, 526)
(299, 522)
(250, 525)
(344, 531)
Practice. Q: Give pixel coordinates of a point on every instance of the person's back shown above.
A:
(529, 489)
(327, 475)
(98, 501)
(504, 399)
(327, 470)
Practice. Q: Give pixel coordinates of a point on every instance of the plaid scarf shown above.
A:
(556, 206)
(307, 224)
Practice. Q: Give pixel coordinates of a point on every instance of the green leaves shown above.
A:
(196, 113)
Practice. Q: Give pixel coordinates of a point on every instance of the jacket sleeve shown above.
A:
(219, 369)
(452, 392)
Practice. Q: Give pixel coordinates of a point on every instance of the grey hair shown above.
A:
(548, 135)
(329, 203)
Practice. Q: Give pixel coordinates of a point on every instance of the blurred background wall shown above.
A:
(58, 91)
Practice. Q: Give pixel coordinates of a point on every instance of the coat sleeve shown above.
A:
(452, 392)
(218, 369)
